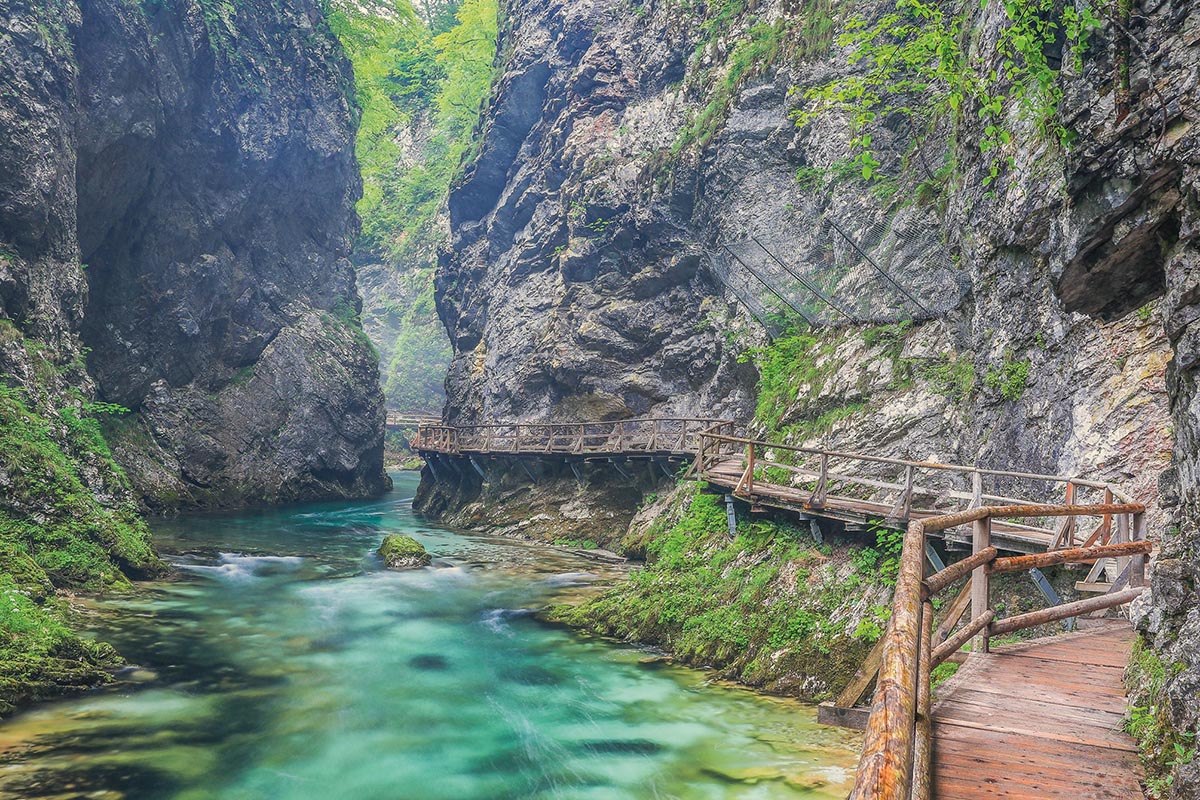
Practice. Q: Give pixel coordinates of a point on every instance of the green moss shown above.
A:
(763, 606)
(56, 533)
(1161, 745)
(39, 656)
(51, 515)
(402, 551)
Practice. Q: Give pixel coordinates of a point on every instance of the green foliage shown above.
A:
(716, 600)
(404, 69)
(51, 515)
(423, 70)
(882, 560)
(870, 629)
(748, 58)
(1162, 746)
(785, 366)
(1009, 378)
(941, 673)
(953, 377)
(915, 62)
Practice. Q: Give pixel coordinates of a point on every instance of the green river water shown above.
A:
(283, 662)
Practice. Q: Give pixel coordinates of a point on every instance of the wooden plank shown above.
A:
(854, 718)
(1016, 725)
(863, 678)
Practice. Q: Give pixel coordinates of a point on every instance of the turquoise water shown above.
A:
(284, 662)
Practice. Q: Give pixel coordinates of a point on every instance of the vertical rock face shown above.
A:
(569, 292)
(589, 276)
(196, 158)
(216, 185)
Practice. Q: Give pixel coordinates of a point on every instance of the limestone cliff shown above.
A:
(216, 182)
(176, 205)
(633, 153)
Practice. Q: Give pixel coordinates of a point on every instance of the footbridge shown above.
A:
(1040, 719)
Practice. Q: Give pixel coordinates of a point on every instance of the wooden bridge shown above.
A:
(399, 419)
(1037, 720)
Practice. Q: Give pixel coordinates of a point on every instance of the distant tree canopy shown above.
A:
(422, 76)
(408, 63)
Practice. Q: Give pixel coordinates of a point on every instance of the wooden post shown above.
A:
(750, 468)
(817, 498)
(1106, 523)
(1125, 533)
(922, 781)
(885, 769)
(1069, 536)
(981, 539)
(1137, 571)
(517, 439)
(976, 489)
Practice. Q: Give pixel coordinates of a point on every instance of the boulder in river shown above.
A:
(403, 552)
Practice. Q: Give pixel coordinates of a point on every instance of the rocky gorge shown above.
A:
(178, 315)
(634, 157)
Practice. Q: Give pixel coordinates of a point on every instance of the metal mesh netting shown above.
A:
(893, 269)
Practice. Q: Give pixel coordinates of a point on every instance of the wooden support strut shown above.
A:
(980, 542)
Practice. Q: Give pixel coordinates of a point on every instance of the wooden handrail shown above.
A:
(649, 435)
(931, 465)
(894, 764)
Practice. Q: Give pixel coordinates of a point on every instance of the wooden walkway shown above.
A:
(851, 488)
(1039, 720)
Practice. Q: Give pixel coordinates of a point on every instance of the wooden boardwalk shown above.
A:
(728, 473)
(851, 488)
(1039, 720)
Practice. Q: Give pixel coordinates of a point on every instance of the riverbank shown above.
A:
(284, 661)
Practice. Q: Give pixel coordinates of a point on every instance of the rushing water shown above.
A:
(285, 663)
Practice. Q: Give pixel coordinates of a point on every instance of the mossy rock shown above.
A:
(403, 552)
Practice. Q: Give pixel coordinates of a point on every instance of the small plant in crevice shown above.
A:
(1009, 378)
(1163, 748)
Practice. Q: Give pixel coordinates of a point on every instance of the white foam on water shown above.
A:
(238, 567)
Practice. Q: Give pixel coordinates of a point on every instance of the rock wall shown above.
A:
(215, 186)
(176, 190)
(626, 144)
(589, 276)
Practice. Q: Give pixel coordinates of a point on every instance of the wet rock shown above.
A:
(403, 552)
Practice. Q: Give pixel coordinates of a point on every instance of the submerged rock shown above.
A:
(403, 552)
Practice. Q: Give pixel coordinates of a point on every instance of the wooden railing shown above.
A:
(901, 489)
(399, 419)
(895, 761)
(650, 436)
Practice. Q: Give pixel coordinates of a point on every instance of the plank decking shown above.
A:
(1040, 720)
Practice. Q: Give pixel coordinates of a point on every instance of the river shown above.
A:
(283, 662)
